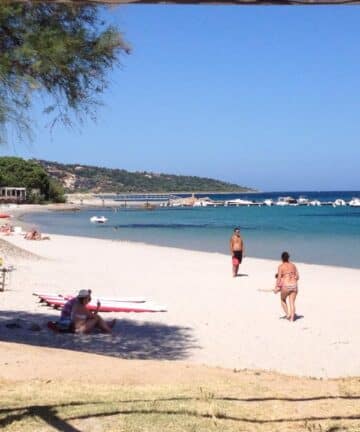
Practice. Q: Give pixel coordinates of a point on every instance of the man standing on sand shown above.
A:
(237, 250)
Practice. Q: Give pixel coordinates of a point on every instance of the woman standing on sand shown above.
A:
(286, 282)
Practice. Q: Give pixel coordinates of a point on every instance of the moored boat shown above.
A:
(339, 203)
(269, 202)
(355, 202)
(238, 202)
(314, 203)
(302, 200)
(98, 219)
(285, 201)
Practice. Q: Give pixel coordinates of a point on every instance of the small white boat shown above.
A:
(204, 202)
(339, 203)
(238, 202)
(355, 202)
(98, 219)
(285, 201)
(269, 202)
(302, 200)
(314, 203)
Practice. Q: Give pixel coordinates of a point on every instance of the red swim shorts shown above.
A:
(235, 261)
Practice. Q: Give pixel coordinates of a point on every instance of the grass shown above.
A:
(239, 401)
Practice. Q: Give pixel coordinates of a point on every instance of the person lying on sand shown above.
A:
(35, 235)
(79, 318)
(286, 283)
(6, 229)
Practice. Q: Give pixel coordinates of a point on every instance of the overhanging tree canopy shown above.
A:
(60, 48)
(61, 51)
(217, 2)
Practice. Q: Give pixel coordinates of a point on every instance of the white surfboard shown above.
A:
(102, 299)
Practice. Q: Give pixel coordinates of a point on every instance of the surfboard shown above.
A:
(101, 299)
(58, 302)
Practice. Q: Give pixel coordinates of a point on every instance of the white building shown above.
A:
(12, 194)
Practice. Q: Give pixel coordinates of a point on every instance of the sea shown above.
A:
(318, 235)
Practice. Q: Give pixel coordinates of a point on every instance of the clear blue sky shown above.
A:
(267, 97)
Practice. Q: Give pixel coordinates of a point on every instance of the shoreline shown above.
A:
(207, 311)
(19, 218)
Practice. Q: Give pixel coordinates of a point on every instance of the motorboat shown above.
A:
(339, 203)
(302, 200)
(314, 203)
(98, 219)
(355, 202)
(238, 202)
(269, 202)
(205, 202)
(285, 201)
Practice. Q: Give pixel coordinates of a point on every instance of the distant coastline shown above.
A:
(94, 179)
(198, 192)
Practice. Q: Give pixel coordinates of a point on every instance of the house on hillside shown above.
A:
(12, 194)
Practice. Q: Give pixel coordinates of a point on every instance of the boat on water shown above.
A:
(303, 200)
(339, 203)
(268, 202)
(205, 202)
(285, 201)
(238, 202)
(98, 219)
(314, 203)
(4, 215)
(355, 202)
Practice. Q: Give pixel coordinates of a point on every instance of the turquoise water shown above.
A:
(323, 235)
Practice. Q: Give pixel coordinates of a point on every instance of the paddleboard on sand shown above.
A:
(58, 302)
(101, 299)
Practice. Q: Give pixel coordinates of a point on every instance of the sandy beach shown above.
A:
(211, 319)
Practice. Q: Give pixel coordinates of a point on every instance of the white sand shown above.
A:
(212, 318)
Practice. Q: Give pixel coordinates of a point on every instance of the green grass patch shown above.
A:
(268, 402)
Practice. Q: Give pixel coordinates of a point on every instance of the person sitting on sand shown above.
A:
(79, 318)
(35, 235)
(286, 282)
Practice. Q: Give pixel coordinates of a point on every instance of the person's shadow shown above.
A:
(242, 275)
(297, 317)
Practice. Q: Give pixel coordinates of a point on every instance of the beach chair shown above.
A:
(2, 280)
(3, 272)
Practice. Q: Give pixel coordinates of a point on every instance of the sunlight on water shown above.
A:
(322, 235)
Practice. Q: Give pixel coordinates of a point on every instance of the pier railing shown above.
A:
(145, 197)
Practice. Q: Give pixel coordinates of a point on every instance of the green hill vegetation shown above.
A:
(41, 187)
(83, 178)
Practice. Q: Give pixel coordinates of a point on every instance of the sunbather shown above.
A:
(6, 229)
(79, 318)
(35, 235)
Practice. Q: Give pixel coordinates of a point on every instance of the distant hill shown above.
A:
(83, 178)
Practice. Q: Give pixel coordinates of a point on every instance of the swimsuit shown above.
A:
(238, 255)
(291, 286)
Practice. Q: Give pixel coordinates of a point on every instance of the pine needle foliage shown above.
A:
(61, 51)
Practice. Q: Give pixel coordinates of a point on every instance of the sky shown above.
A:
(266, 97)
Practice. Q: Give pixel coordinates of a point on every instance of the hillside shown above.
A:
(83, 178)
